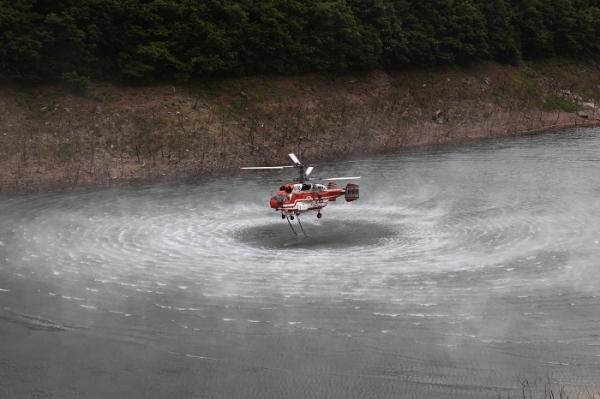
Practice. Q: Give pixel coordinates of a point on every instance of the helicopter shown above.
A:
(300, 196)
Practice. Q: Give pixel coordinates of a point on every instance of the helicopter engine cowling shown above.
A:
(351, 192)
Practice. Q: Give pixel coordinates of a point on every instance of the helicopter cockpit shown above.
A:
(308, 187)
(280, 197)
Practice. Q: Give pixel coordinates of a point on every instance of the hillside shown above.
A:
(57, 137)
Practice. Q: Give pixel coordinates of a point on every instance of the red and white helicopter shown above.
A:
(298, 196)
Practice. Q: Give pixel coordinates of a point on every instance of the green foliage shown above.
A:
(139, 41)
(80, 83)
(22, 39)
(501, 39)
(555, 101)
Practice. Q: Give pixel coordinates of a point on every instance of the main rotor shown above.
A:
(304, 170)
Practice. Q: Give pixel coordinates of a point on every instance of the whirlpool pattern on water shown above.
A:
(458, 270)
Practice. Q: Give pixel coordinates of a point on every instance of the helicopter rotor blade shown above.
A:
(294, 158)
(308, 170)
(338, 178)
(265, 167)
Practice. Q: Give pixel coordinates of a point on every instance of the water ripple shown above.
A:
(457, 269)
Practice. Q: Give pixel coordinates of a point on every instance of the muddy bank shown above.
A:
(54, 139)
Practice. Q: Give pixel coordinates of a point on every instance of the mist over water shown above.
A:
(459, 272)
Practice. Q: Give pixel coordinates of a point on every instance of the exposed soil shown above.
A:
(54, 139)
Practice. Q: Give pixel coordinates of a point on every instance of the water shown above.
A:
(460, 273)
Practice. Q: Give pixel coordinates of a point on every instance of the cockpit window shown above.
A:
(279, 197)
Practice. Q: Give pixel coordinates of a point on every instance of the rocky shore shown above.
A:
(52, 138)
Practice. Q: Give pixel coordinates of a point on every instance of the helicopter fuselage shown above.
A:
(300, 196)
(294, 198)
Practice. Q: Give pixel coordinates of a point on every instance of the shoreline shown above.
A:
(54, 140)
(61, 187)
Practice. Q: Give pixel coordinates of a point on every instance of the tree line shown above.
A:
(140, 41)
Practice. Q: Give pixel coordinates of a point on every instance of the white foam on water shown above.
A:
(474, 250)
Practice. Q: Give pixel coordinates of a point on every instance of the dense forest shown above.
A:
(140, 41)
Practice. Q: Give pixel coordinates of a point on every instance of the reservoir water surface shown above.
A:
(462, 272)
